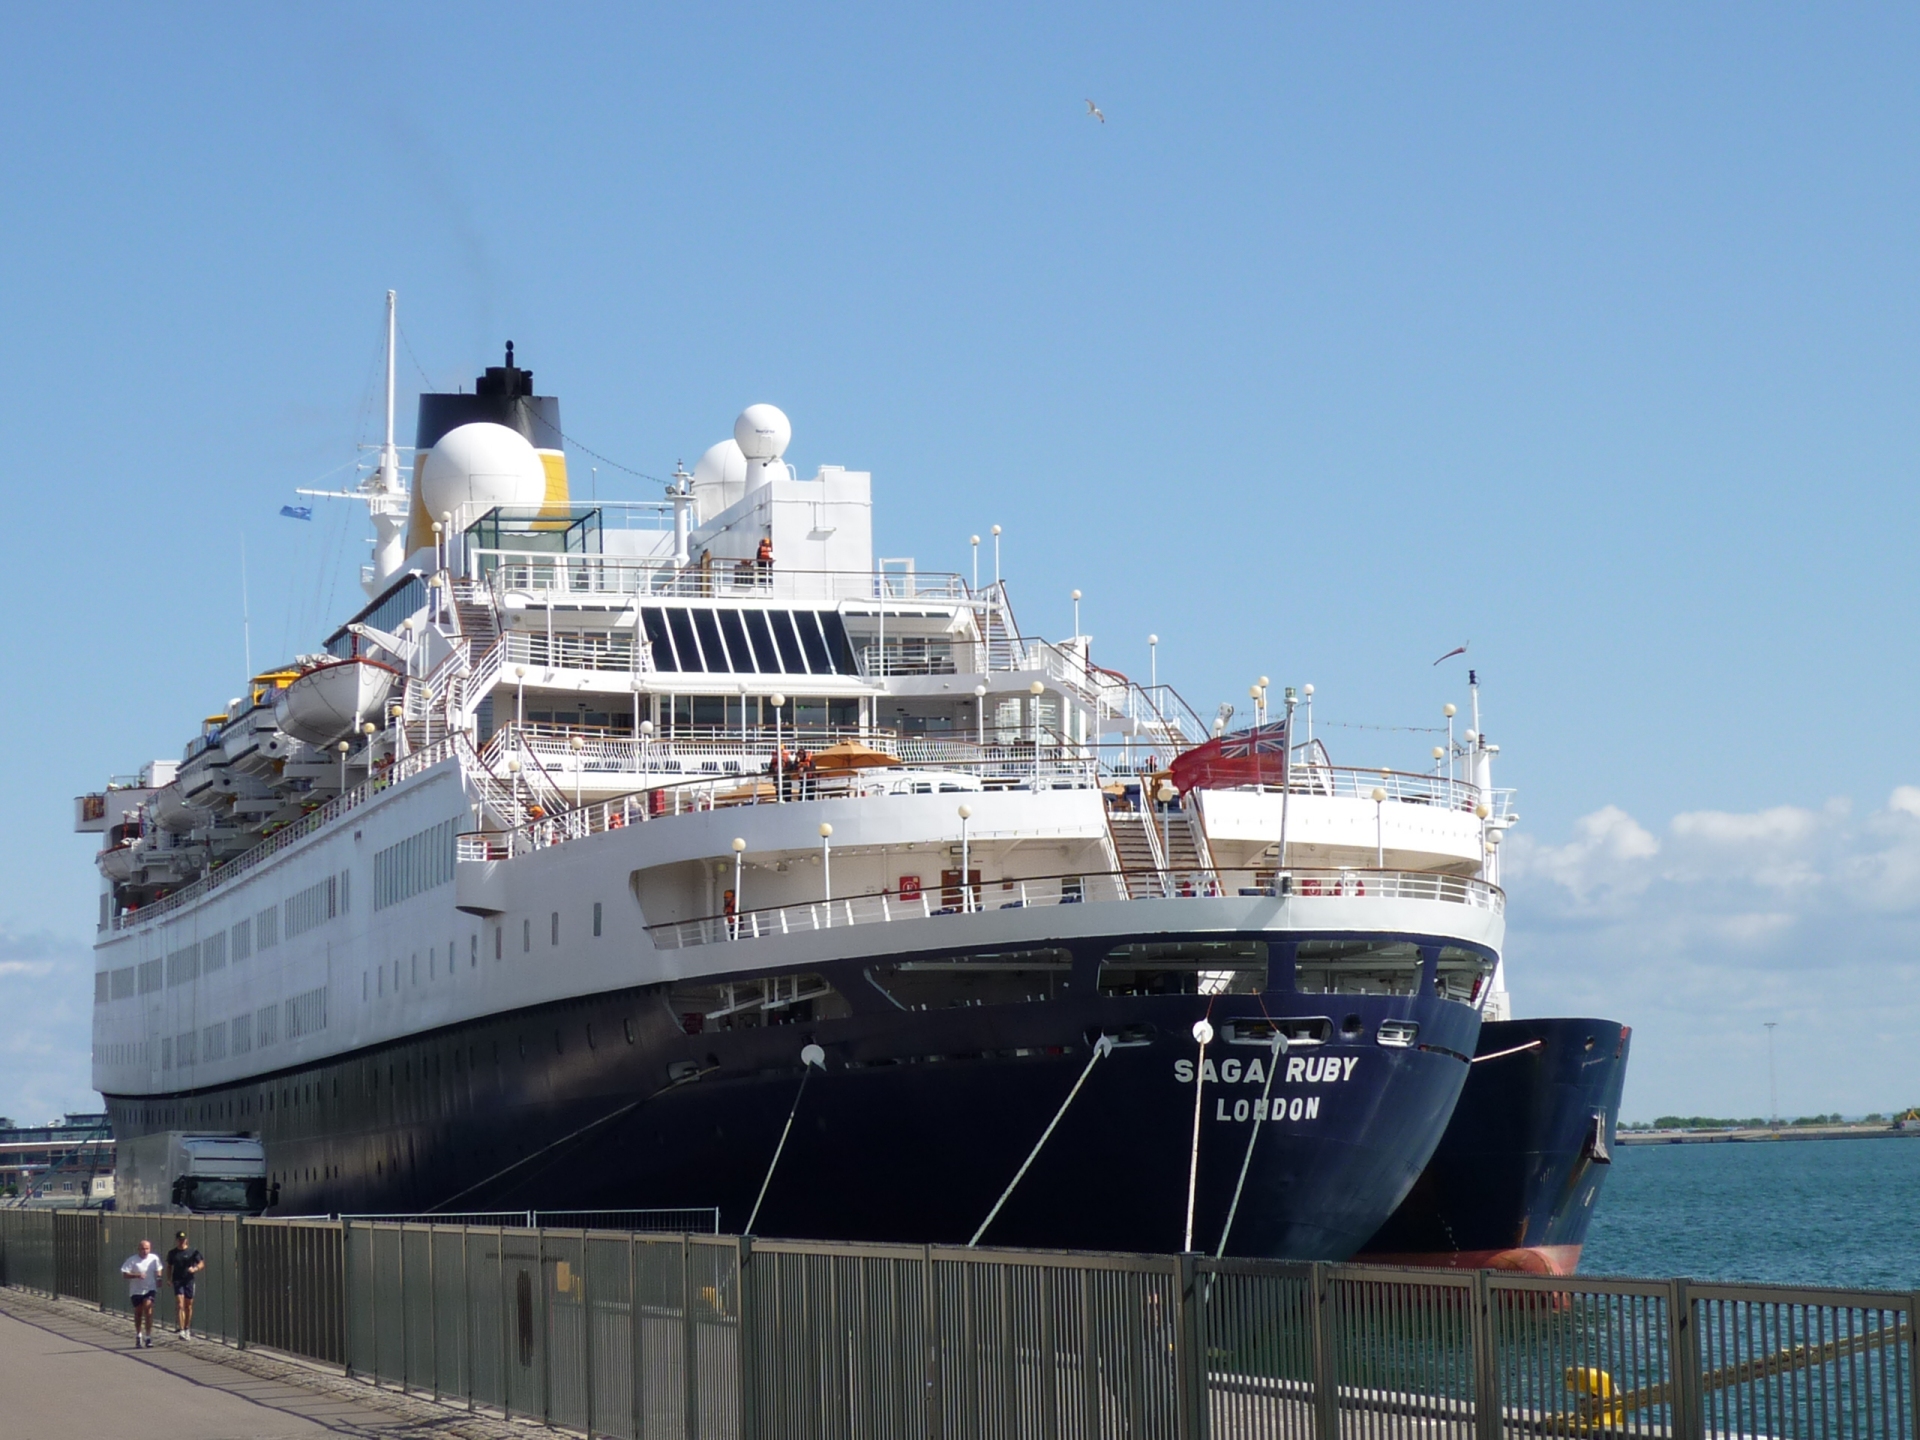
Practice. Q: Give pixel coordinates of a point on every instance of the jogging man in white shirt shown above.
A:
(143, 1283)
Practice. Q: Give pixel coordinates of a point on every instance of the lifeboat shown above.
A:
(173, 811)
(331, 701)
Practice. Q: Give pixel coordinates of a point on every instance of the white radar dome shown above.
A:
(763, 432)
(719, 479)
(478, 466)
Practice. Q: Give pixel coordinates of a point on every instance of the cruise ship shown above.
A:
(687, 853)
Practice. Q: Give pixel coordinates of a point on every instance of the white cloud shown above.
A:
(1698, 932)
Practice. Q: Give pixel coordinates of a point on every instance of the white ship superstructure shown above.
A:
(587, 794)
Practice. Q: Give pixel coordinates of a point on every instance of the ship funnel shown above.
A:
(502, 396)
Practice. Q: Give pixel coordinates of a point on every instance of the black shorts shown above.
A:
(183, 1290)
(145, 1297)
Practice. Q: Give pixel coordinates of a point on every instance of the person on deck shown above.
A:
(764, 559)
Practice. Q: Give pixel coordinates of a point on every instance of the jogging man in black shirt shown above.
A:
(183, 1263)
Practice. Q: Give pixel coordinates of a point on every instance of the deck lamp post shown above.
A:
(739, 869)
(966, 857)
(1076, 614)
(1153, 663)
(826, 860)
(974, 540)
(1036, 690)
(646, 744)
(980, 716)
(1450, 711)
(1259, 698)
(996, 557)
(1438, 754)
(513, 769)
(343, 747)
(576, 745)
(1165, 794)
(779, 752)
(520, 695)
(1379, 828)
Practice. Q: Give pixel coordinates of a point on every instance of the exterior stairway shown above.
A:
(1137, 849)
(1187, 855)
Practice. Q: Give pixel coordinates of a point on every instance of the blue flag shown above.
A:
(297, 512)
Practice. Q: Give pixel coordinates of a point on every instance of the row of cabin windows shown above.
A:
(389, 977)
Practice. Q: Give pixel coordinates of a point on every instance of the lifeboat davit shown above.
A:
(331, 701)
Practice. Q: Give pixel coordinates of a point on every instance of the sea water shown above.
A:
(1799, 1212)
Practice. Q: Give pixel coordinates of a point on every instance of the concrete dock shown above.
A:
(69, 1370)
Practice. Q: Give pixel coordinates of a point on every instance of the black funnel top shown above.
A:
(503, 395)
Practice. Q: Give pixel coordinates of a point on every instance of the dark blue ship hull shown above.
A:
(912, 1131)
(1515, 1179)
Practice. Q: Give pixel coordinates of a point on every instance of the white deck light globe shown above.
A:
(481, 465)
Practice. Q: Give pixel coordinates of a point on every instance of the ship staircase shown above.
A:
(1136, 848)
(1005, 650)
(1188, 861)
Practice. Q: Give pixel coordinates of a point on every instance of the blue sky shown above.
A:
(1586, 335)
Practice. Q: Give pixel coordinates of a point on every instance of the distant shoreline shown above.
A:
(1749, 1136)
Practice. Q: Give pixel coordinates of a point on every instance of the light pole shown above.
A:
(1438, 753)
(1773, 1086)
(520, 695)
(576, 745)
(966, 860)
(974, 540)
(646, 744)
(1076, 614)
(826, 859)
(1153, 663)
(779, 752)
(996, 557)
(739, 869)
(1450, 713)
(343, 766)
(1379, 828)
(1035, 691)
(980, 716)
(1307, 691)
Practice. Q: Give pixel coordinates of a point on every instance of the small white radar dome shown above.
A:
(478, 466)
(723, 464)
(762, 432)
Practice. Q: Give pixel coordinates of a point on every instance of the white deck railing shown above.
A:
(1103, 886)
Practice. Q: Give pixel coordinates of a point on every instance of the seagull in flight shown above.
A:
(1094, 111)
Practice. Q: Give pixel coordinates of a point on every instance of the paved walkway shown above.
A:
(66, 1369)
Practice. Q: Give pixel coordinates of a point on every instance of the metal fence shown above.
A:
(702, 1337)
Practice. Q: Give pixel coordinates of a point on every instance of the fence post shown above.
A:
(1483, 1333)
(346, 1296)
(586, 1324)
(239, 1286)
(1189, 1352)
(1326, 1378)
(1683, 1357)
(689, 1360)
(748, 1341)
(930, 1337)
(1913, 1363)
(544, 1321)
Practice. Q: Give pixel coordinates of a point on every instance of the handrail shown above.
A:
(571, 572)
(1087, 886)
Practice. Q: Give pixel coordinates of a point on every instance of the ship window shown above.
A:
(709, 633)
(681, 626)
(660, 639)
(473, 951)
(627, 1025)
(995, 977)
(1463, 973)
(499, 932)
(751, 1003)
(808, 624)
(736, 637)
(596, 919)
(556, 929)
(526, 936)
(1357, 967)
(838, 645)
(1186, 967)
(765, 655)
(791, 660)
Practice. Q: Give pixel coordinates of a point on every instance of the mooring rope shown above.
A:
(1203, 1032)
(1101, 1048)
(1246, 1160)
(812, 1058)
(1502, 1054)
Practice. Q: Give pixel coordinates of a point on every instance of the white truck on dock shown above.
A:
(176, 1172)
